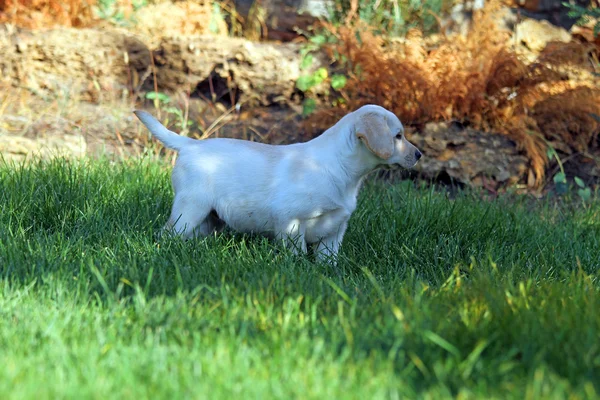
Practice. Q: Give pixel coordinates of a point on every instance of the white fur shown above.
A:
(302, 193)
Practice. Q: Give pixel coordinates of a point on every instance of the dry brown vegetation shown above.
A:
(475, 79)
(37, 14)
(188, 17)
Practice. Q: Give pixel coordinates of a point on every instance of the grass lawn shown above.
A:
(432, 297)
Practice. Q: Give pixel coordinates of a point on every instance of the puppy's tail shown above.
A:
(168, 138)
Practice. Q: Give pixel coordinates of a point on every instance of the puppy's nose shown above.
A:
(418, 154)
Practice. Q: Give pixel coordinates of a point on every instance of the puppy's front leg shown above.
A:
(292, 235)
(328, 247)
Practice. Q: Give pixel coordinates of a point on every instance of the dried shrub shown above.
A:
(47, 13)
(187, 17)
(475, 79)
(567, 118)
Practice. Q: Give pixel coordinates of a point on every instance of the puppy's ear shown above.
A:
(372, 129)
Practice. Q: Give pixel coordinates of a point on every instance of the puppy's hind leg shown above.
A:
(328, 247)
(292, 235)
(189, 217)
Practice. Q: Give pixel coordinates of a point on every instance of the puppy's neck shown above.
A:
(350, 161)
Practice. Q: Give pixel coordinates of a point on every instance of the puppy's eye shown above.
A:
(399, 136)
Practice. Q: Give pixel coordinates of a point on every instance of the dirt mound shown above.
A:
(87, 63)
(92, 63)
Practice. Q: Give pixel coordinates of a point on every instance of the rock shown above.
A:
(468, 156)
(81, 62)
(19, 148)
(233, 70)
(535, 35)
(89, 64)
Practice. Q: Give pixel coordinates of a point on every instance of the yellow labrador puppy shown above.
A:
(303, 193)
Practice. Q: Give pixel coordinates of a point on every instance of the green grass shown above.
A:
(432, 297)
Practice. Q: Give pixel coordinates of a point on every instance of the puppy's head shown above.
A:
(382, 133)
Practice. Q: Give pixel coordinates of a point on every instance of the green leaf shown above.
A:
(174, 110)
(469, 363)
(339, 101)
(163, 98)
(443, 343)
(560, 178)
(308, 107)
(312, 47)
(320, 75)
(305, 82)
(561, 188)
(319, 39)
(550, 153)
(585, 194)
(307, 61)
(338, 81)
(579, 182)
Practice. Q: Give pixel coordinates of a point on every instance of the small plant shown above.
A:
(158, 99)
(161, 100)
(560, 179)
(181, 118)
(583, 191)
(307, 82)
